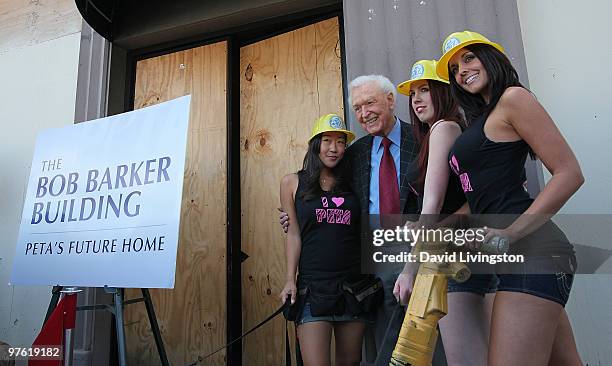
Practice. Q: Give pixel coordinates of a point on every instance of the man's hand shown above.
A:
(403, 287)
(413, 227)
(411, 224)
(283, 219)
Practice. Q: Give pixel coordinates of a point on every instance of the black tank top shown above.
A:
(492, 176)
(329, 230)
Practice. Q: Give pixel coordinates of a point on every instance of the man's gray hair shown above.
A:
(382, 81)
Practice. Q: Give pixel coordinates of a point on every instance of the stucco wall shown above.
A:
(39, 50)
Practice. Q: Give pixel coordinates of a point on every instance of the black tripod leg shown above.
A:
(159, 342)
(55, 295)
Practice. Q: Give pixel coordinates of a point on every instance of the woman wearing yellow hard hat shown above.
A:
(324, 246)
(437, 123)
(529, 325)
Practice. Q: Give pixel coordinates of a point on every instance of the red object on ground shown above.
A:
(52, 333)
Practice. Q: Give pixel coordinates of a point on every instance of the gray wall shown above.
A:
(387, 36)
(92, 334)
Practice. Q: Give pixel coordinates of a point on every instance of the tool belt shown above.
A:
(354, 295)
(363, 294)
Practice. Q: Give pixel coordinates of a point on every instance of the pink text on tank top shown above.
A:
(333, 215)
(463, 177)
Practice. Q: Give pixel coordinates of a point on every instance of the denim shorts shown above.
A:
(307, 317)
(554, 284)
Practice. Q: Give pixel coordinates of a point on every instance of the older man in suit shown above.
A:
(381, 187)
(372, 98)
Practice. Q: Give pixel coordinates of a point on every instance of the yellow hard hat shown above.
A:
(421, 70)
(456, 41)
(331, 123)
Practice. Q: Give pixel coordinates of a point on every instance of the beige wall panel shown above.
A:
(24, 23)
(38, 88)
(584, 120)
(286, 82)
(192, 316)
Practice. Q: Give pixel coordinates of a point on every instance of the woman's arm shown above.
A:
(441, 139)
(531, 122)
(288, 188)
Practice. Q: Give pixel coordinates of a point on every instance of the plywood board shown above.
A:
(192, 316)
(286, 82)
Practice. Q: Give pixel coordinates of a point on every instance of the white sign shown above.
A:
(103, 201)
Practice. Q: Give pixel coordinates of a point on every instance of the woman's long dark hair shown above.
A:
(501, 75)
(445, 108)
(311, 172)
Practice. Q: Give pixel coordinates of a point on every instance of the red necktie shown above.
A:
(388, 191)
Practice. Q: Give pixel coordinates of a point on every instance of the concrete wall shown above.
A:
(39, 52)
(568, 51)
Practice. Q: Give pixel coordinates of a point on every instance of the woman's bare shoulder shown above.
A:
(289, 180)
(444, 128)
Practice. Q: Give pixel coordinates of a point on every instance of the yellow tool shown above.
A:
(417, 338)
(428, 304)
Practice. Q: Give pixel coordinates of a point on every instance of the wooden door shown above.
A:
(192, 316)
(286, 82)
